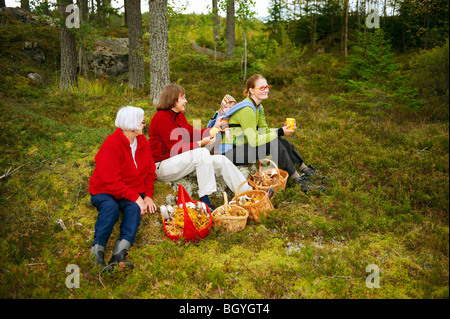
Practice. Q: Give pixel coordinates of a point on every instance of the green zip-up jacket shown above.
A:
(253, 125)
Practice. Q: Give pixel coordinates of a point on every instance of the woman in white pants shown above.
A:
(177, 148)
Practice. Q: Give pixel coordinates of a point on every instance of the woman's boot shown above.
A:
(120, 252)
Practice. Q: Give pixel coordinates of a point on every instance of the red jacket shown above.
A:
(170, 134)
(115, 172)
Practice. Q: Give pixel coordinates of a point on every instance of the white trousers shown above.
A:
(207, 166)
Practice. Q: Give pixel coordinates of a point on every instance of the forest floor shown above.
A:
(384, 211)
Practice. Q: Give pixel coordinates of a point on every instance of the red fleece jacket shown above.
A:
(170, 134)
(115, 172)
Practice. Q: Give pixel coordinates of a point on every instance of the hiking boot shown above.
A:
(306, 184)
(120, 252)
(98, 255)
(309, 170)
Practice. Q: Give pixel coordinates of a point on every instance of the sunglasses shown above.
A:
(263, 88)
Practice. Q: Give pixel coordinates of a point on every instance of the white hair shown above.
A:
(129, 118)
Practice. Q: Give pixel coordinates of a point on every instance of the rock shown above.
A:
(110, 57)
(320, 50)
(35, 77)
(32, 50)
(171, 200)
(207, 51)
(9, 15)
(189, 182)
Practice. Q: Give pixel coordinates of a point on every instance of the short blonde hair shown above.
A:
(129, 118)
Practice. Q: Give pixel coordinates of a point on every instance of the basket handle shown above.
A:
(268, 160)
(189, 227)
(236, 194)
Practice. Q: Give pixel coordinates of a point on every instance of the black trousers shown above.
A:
(283, 154)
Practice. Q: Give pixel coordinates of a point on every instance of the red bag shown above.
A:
(190, 233)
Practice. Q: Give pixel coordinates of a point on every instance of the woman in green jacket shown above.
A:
(253, 140)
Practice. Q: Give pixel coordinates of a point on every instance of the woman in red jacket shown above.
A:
(122, 180)
(178, 149)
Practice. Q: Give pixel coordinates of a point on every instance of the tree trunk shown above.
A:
(125, 12)
(245, 54)
(216, 23)
(358, 19)
(346, 28)
(2, 3)
(92, 15)
(135, 45)
(25, 5)
(332, 20)
(82, 56)
(230, 29)
(314, 27)
(159, 49)
(427, 25)
(68, 77)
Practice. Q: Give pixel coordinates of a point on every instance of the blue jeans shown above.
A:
(108, 213)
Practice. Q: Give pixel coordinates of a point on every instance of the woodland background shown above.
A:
(372, 113)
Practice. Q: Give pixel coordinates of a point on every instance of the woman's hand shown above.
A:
(217, 123)
(149, 204)
(142, 205)
(206, 141)
(287, 131)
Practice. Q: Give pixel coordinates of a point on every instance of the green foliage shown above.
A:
(282, 60)
(429, 72)
(371, 75)
(371, 60)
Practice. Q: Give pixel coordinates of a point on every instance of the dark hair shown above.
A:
(169, 97)
(251, 83)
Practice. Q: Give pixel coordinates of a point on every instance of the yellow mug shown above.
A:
(291, 123)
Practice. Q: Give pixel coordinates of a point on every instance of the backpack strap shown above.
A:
(240, 106)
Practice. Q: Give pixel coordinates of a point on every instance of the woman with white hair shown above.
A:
(123, 180)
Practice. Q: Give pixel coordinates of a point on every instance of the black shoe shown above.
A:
(119, 253)
(270, 192)
(98, 255)
(100, 259)
(306, 184)
(120, 258)
(310, 170)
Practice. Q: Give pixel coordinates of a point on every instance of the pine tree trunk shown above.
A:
(159, 49)
(314, 27)
(358, 19)
(82, 56)
(25, 5)
(2, 3)
(245, 54)
(135, 45)
(230, 30)
(216, 22)
(346, 28)
(125, 11)
(68, 75)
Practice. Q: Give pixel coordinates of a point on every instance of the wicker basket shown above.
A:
(231, 223)
(254, 210)
(281, 181)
